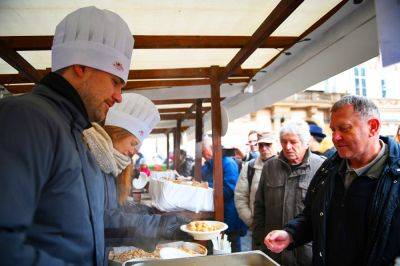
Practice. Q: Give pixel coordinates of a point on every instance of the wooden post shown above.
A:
(199, 139)
(177, 143)
(216, 139)
(167, 136)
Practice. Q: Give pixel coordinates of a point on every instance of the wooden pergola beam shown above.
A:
(172, 110)
(181, 101)
(167, 137)
(166, 130)
(179, 73)
(280, 13)
(160, 84)
(199, 139)
(189, 112)
(216, 144)
(172, 73)
(142, 84)
(15, 60)
(310, 29)
(176, 116)
(32, 43)
(177, 143)
(181, 110)
(15, 89)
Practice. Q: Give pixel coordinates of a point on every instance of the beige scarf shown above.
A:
(101, 146)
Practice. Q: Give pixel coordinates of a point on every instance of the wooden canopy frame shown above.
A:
(214, 76)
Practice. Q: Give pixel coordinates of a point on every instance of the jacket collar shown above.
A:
(303, 164)
(259, 164)
(393, 157)
(59, 85)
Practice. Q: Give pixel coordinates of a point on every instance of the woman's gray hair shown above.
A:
(299, 128)
(365, 107)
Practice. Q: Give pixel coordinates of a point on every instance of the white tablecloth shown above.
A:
(168, 196)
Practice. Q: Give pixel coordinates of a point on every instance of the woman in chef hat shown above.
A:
(126, 126)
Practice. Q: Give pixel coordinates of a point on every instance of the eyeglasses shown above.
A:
(262, 144)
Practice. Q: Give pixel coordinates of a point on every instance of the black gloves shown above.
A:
(169, 228)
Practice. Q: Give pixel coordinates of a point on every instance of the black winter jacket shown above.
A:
(51, 199)
(137, 225)
(382, 238)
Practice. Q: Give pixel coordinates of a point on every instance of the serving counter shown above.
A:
(249, 258)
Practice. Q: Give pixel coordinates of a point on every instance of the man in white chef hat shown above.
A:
(52, 200)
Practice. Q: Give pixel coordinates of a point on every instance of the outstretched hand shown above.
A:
(278, 240)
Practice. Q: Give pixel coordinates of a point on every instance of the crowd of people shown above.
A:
(302, 206)
(66, 169)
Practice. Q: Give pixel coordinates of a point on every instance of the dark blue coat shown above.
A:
(52, 199)
(124, 227)
(230, 176)
(379, 228)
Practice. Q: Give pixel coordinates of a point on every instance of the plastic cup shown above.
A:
(222, 251)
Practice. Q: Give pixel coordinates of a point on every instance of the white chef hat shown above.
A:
(136, 113)
(93, 37)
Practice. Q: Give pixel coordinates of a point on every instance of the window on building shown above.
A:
(363, 87)
(357, 86)
(383, 88)
(360, 81)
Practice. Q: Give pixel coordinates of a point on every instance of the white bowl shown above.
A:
(205, 235)
(141, 181)
(173, 253)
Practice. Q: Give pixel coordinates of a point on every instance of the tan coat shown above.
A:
(280, 197)
(244, 197)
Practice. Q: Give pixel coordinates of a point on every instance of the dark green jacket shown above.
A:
(279, 198)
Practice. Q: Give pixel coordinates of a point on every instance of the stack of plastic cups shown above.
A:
(221, 245)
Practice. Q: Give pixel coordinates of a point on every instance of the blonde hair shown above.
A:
(124, 179)
(397, 136)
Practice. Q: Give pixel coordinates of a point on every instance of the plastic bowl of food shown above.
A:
(204, 230)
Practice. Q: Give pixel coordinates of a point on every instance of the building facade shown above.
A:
(369, 79)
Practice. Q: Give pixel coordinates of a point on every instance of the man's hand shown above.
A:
(278, 240)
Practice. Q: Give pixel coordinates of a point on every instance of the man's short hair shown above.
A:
(299, 128)
(365, 107)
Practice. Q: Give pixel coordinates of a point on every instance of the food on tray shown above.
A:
(135, 254)
(190, 183)
(178, 252)
(189, 251)
(200, 184)
(139, 254)
(203, 226)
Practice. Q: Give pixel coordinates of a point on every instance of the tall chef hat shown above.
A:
(96, 38)
(136, 113)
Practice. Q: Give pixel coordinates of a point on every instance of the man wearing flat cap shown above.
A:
(249, 178)
(52, 200)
